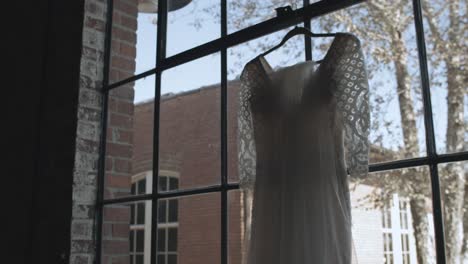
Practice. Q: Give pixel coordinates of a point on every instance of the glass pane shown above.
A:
(140, 213)
(237, 211)
(454, 190)
(173, 184)
(140, 240)
(190, 123)
(197, 22)
(244, 13)
(161, 259)
(162, 183)
(161, 240)
(172, 239)
(133, 38)
(139, 259)
(162, 211)
(388, 42)
(132, 240)
(129, 154)
(173, 210)
(447, 45)
(123, 241)
(380, 193)
(195, 238)
(132, 214)
(172, 259)
(238, 56)
(142, 186)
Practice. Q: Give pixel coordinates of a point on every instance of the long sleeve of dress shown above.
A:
(351, 91)
(246, 142)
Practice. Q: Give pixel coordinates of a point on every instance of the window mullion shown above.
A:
(160, 56)
(429, 130)
(224, 139)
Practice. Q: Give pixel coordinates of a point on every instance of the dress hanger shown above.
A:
(298, 31)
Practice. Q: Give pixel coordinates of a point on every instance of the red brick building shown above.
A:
(190, 152)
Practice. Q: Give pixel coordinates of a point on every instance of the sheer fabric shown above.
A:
(301, 131)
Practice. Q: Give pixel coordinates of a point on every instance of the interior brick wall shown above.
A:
(119, 145)
(119, 133)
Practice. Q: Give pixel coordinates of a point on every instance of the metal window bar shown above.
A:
(304, 14)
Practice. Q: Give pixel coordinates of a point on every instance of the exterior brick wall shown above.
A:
(190, 147)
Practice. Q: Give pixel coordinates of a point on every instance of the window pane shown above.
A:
(172, 240)
(161, 240)
(245, 13)
(455, 207)
(383, 190)
(140, 240)
(162, 211)
(192, 25)
(142, 186)
(172, 259)
(132, 214)
(238, 56)
(196, 236)
(120, 238)
(237, 212)
(129, 155)
(132, 239)
(162, 183)
(134, 32)
(139, 259)
(140, 213)
(388, 41)
(190, 123)
(173, 183)
(173, 210)
(447, 45)
(161, 259)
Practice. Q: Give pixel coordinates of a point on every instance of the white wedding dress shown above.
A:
(301, 130)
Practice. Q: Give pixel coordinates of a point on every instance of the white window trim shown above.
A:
(148, 175)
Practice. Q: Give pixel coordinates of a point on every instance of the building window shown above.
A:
(388, 248)
(387, 234)
(137, 224)
(398, 239)
(405, 230)
(167, 222)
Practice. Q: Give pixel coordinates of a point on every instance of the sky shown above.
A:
(183, 35)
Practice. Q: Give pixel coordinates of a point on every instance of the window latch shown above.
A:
(283, 11)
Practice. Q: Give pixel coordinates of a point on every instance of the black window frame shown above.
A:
(225, 41)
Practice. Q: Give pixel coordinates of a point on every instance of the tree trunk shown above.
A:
(454, 179)
(454, 192)
(421, 229)
(414, 178)
(464, 251)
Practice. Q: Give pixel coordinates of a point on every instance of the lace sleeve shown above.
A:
(246, 142)
(351, 93)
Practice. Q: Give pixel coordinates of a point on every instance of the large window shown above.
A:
(169, 112)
